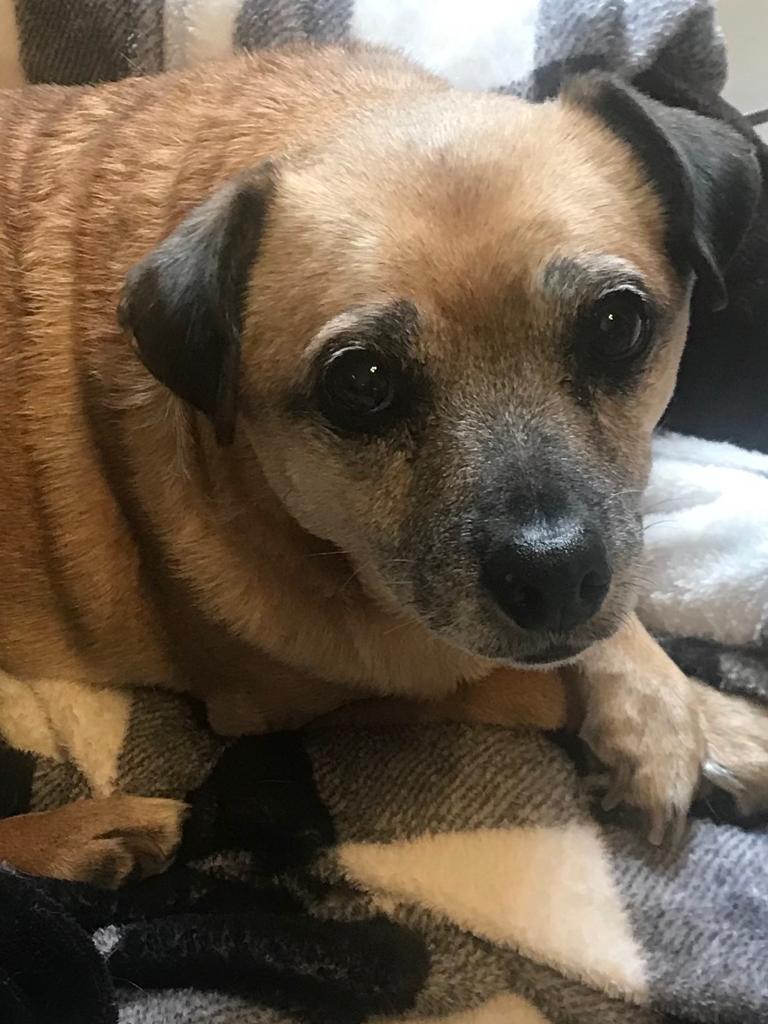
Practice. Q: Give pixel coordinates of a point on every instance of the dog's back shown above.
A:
(91, 179)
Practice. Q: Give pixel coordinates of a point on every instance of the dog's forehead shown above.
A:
(556, 187)
(463, 205)
(461, 196)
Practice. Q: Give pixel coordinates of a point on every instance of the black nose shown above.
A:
(549, 575)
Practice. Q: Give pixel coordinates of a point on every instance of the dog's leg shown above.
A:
(657, 731)
(643, 720)
(508, 697)
(104, 842)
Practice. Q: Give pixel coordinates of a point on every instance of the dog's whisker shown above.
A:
(656, 522)
(398, 627)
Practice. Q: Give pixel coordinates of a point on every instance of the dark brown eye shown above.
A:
(358, 384)
(619, 325)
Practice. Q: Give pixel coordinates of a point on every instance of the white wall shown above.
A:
(745, 24)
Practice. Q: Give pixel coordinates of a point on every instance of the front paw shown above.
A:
(654, 760)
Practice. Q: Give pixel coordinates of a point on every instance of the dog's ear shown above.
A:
(705, 172)
(184, 302)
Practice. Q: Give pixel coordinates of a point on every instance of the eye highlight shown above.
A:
(360, 388)
(618, 327)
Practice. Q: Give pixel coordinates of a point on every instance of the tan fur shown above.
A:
(134, 549)
(93, 179)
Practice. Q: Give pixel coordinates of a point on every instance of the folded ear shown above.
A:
(705, 172)
(184, 302)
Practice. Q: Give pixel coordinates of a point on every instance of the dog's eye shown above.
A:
(619, 325)
(357, 382)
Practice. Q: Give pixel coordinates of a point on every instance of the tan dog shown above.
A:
(401, 351)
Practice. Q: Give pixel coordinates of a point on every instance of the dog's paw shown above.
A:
(104, 842)
(134, 837)
(654, 754)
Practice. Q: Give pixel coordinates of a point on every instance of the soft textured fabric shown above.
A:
(491, 44)
(706, 541)
(706, 533)
(446, 872)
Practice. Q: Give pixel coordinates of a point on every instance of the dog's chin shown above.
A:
(539, 652)
(524, 651)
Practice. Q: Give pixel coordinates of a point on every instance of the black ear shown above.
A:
(706, 173)
(184, 301)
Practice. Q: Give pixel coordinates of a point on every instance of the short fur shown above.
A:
(176, 509)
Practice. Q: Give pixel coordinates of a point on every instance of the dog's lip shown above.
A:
(552, 656)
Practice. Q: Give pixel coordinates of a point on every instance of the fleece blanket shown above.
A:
(491, 44)
(444, 873)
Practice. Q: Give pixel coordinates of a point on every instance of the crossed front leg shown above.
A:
(659, 733)
(642, 719)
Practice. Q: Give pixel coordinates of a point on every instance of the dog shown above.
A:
(324, 382)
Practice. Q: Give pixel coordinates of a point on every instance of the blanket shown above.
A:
(492, 45)
(440, 873)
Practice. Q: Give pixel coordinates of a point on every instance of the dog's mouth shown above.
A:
(553, 655)
(468, 619)
(526, 650)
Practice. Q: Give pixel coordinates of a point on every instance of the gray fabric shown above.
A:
(74, 41)
(92, 40)
(678, 35)
(164, 753)
(262, 23)
(186, 1007)
(695, 918)
(700, 915)
(433, 781)
(55, 784)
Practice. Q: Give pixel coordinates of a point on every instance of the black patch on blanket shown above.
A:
(324, 971)
(259, 938)
(197, 927)
(51, 973)
(261, 796)
(17, 768)
(738, 670)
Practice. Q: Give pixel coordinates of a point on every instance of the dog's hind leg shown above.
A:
(104, 842)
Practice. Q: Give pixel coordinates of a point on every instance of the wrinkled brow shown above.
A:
(389, 326)
(575, 278)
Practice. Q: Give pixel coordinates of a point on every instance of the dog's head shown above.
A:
(447, 337)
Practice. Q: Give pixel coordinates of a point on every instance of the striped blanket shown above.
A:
(445, 874)
(489, 45)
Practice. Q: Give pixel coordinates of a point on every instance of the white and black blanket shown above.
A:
(490, 44)
(445, 874)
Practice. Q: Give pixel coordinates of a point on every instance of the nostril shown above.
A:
(528, 602)
(593, 587)
(548, 580)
